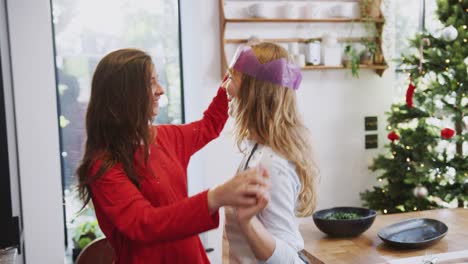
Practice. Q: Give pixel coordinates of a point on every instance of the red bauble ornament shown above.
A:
(393, 136)
(447, 133)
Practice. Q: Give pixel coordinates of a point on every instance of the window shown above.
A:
(86, 30)
(412, 17)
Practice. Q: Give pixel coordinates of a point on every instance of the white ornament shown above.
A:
(442, 203)
(440, 113)
(464, 101)
(450, 151)
(453, 204)
(413, 124)
(409, 125)
(466, 61)
(420, 191)
(451, 172)
(435, 121)
(449, 33)
(450, 175)
(432, 173)
(441, 79)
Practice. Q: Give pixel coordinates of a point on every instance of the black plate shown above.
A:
(413, 233)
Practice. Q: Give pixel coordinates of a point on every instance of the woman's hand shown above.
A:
(243, 190)
(245, 214)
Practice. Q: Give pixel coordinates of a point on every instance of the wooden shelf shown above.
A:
(379, 22)
(361, 66)
(299, 40)
(379, 69)
(302, 20)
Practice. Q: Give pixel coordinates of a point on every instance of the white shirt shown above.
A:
(278, 217)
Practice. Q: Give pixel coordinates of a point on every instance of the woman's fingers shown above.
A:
(255, 192)
(246, 188)
(264, 173)
(253, 202)
(252, 176)
(251, 190)
(247, 201)
(264, 194)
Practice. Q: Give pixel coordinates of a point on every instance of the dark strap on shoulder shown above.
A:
(250, 156)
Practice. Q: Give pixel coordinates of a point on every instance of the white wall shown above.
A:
(332, 102)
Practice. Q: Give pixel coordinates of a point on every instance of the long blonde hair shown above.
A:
(269, 113)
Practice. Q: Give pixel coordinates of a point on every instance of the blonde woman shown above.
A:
(261, 90)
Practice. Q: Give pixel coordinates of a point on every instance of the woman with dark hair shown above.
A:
(136, 173)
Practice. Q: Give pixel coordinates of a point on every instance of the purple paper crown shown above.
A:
(279, 71)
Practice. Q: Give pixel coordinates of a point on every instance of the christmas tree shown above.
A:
(425, 165)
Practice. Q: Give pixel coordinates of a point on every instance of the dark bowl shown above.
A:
(344, 228)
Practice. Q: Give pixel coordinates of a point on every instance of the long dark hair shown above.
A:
(118, 118)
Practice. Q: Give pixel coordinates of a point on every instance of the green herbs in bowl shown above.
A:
(342, 216)
(344, 221)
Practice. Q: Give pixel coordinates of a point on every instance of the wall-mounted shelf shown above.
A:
(379, 69)
(300, 20)
(361, 66)
(286, 40)
(379, 22)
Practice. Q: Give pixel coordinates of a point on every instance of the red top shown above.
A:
(159, 223)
